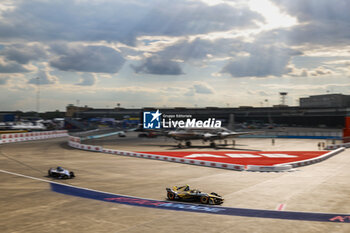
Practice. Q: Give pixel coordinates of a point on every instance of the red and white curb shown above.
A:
(281, 207)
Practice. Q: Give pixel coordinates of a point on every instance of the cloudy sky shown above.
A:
(171, 53)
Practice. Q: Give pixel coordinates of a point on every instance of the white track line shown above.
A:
(53, 182)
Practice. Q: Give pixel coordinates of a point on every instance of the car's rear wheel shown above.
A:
(204, 200)
(171, 196)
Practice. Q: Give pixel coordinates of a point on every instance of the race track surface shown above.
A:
(30, 206)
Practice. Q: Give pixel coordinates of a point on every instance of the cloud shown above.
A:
(202, 88)
(262, 62)
(322, 22)
(317, 10)
(263, 93)
(45, 78)
(321, 71)
(199, 49)
(177, 18)
(157, 65)
(22, 53)
(11, 67)
(87, 80)
(98, 59)
(3, 80)
(197, 88)
(121, 21)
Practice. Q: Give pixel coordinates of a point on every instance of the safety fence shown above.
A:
(30, 136)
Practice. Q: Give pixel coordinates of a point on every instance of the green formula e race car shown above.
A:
(184, 193)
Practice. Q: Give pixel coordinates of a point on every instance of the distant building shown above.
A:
(326, 101)
(72, 110)
(8, 116)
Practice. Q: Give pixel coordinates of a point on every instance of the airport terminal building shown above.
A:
(315, 111)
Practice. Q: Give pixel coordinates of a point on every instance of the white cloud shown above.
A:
(44, 78)
(262, 62)
(158, 66)
(202, 88)
(87, 80)
(3, 80)
(164, 52)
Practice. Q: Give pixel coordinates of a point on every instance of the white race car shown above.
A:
(60, 173)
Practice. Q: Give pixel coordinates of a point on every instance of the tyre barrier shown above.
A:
(30, 136)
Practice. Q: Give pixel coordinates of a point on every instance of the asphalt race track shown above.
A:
(30, 206)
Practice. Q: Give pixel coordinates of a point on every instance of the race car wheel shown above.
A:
(71, 174)
(171, 196)
(49, 172)
(204, 200)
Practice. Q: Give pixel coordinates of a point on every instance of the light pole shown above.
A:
(37, 95)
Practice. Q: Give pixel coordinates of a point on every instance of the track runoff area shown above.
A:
(166, 205)
(244, 158)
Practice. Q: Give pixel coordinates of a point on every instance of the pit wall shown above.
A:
(30, 136)
(76, 143)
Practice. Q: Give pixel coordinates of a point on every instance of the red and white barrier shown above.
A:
(315, 160)
(75, 142)
(21, 137)
(277, 168)
(336, 146)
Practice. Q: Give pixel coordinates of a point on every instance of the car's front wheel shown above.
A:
(171, 196)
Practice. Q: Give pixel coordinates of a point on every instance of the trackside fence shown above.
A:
(30, 136)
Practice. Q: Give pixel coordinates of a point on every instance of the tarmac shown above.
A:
(30, 206)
